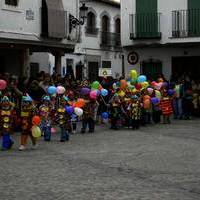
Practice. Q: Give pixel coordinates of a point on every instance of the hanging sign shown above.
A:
(104, 72)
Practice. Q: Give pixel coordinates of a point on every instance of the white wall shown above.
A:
(165, 8)
(163, 54)
(13, 19)
(43, 59)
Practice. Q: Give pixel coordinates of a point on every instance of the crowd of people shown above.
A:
(34, 106)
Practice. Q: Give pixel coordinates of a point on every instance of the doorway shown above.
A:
(79, 71)
(152, 69)
(93, 70)
(186, 66)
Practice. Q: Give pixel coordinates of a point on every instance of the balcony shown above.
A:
(186, 23)
(91, 30)
(110, 40)
(145, 26)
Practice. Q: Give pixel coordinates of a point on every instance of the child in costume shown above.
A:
(135, 112)
(166, 107)
(63, 119)
(6, 108)
(115, 112)
(45, 113)
(27, 112)
(89, 115)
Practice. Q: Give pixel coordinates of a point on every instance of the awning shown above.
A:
(56, 19)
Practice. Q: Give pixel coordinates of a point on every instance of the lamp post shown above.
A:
(83, 15)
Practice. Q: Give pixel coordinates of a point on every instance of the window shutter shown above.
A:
(56, 19)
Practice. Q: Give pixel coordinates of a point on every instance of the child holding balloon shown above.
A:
(45, 113)
(88, 118)
(26, 114)
(63, 120)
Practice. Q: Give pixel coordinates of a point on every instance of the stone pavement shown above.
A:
(160, 162)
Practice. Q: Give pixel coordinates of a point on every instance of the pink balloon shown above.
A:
(53, 130)
(60, 90)
(93, 94)
(150, 90)
(3, 84)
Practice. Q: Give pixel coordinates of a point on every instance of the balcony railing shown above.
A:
(186, 23)
(145, 26)
(91, 30)
(109, 39)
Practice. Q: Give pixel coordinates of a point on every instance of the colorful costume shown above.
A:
(63, 120)
(45, 114)
(166, 108)
(6, 122)
(115, 113)
(27, 111)
(89, 116)
(135, 112)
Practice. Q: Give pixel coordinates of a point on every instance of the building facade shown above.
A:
(161, 36)
(99, 44)
(28, 26)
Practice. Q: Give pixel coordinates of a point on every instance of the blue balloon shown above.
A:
(52, 90)
(155, 100)
(105, 115)
(69, 110)
(170, 92)
(104, 92)
(142, 79)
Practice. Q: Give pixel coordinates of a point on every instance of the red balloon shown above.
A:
(80, 103)
(138, 86)
(36, 120)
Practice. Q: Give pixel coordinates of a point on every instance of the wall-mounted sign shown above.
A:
(104, 72)
(30, 14)
(133, 58)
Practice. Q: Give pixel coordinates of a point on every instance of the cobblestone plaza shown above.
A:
(155, 163)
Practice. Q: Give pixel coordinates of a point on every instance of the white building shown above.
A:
(28, 26)
(160, 36)
(99, 44)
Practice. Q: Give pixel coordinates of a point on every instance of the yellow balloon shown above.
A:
(121, 93)
(36, 131)
(133, 74)
(145, 84)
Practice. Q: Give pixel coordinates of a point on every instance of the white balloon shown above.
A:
(78, 111)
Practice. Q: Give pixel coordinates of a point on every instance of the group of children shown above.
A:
(127, 106)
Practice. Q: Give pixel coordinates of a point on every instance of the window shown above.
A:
(106, 64)
(11, 2)
(105, 24)
(117, 26)
(91, 23)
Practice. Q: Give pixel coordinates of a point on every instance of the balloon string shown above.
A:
(103, 100)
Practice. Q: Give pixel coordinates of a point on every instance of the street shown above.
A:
(158, 162)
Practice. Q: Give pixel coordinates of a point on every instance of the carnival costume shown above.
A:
(6, 122)
(27, 112)
(63, 119)
(45, 114)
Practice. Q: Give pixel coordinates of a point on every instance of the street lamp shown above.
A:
(83, 15)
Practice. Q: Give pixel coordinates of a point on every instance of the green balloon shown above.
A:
(95, 85)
